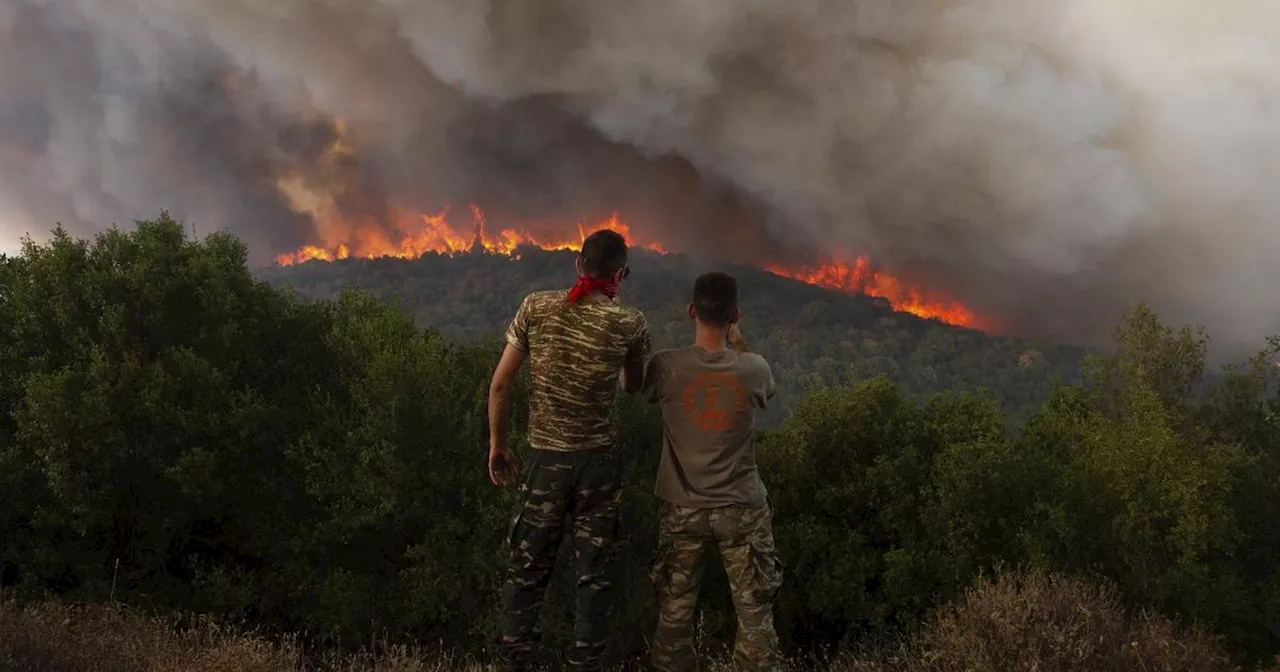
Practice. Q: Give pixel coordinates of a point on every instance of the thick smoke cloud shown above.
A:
(1047, 163)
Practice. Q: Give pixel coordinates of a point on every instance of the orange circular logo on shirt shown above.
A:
(712, 400)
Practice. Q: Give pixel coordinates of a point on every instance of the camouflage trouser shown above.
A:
(586, 486)
(744, 536)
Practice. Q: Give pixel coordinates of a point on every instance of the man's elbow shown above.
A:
(500, 387)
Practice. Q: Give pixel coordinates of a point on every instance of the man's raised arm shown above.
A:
(736, 341)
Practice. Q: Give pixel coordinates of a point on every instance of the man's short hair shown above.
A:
(715, 298)
(603, 253)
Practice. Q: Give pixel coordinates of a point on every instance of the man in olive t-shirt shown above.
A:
(708, 483)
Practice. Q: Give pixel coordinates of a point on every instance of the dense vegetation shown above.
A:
(179, 434)
(813, 337)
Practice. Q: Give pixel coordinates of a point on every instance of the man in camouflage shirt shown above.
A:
(578, 344)
(708, 483)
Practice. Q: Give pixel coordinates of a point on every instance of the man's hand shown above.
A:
(736, 341)
(504, 467)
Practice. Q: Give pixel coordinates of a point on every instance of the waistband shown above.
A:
(594, 450)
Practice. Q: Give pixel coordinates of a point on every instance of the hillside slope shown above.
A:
(813, 336)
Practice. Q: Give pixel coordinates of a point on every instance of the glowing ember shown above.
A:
(423, 234)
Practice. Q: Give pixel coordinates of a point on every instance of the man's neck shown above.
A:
(711, 339)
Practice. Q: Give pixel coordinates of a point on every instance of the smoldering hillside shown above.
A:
(1047, 163)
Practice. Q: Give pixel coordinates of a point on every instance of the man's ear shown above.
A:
(577, 263)
(618, 274)
(693, 313)
(733, 319)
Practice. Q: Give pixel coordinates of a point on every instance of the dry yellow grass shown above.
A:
(52, 637)
(56, 637)
(1019, 622)
(1040, 622)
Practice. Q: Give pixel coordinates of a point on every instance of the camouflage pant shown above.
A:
(585, 486)
(745, 539)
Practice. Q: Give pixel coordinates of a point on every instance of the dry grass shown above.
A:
(1019, 622)
(52, 637)
(55, 637)
(1048, 623)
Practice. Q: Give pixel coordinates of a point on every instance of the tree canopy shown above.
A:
(179, 433)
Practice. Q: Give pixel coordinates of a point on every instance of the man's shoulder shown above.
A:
(540, 303)
(544, 297)
(629, 314)
(753, 361)
(665, 354)
(618, 318)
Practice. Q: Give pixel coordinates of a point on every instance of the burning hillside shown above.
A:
(435, 234)
(1032, 168)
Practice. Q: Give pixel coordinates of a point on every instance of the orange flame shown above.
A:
(424, 234)
(437, 235)
(859, 277)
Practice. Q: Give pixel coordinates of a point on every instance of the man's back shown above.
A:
(709, 402)
(576, 351)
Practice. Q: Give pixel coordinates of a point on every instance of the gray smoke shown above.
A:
(1047, 163)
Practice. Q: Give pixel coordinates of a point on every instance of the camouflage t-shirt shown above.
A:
(576, 352)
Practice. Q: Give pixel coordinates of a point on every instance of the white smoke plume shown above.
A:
(1045, 162)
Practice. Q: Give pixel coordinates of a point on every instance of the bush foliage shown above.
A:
(180, 434)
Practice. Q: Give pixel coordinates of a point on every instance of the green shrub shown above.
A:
(182, 435)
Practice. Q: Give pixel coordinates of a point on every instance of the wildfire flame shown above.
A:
(423, 234)
(436, 235)
(859, 277)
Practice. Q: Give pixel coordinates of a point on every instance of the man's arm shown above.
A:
(736, 341)
(502, 463)
(651, 388)
(770, 385)
(632, 375)
(504, 467)
(637, 357)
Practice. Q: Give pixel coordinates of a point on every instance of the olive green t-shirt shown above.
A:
(576, 352)
(709, 402)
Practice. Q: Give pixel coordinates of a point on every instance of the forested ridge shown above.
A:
(814, 337)
(180, 435)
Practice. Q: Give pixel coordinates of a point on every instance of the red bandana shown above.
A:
(586, 285)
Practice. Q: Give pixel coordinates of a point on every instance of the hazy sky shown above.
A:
(1046, 162)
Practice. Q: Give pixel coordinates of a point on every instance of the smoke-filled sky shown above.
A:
(1045, 162)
